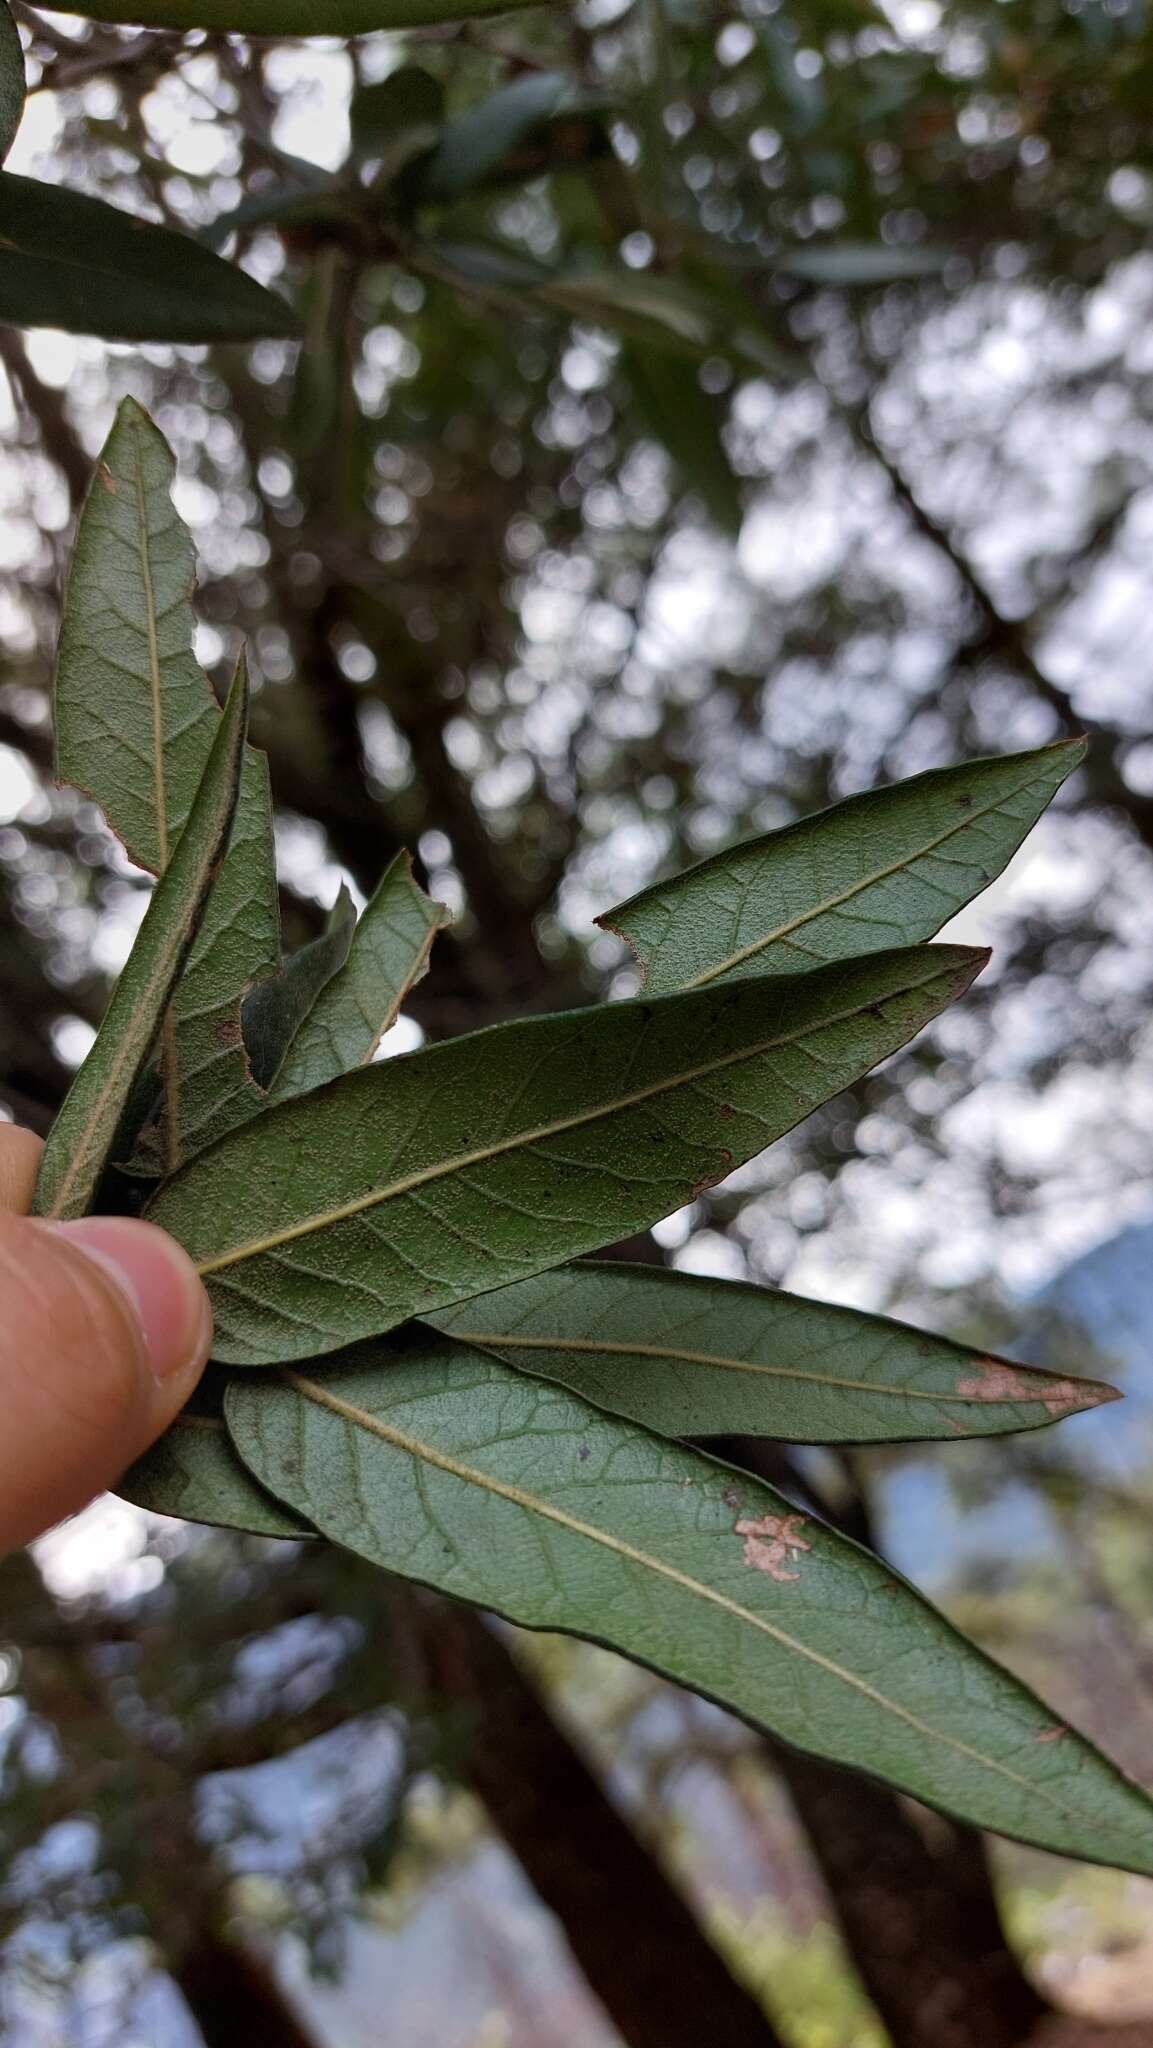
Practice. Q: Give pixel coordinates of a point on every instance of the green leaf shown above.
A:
(281, 18)
(885, 868)
(135, 719)
(274, 1010)
(12, 79)
(687, 422)
(70, 261)
(81, 1139)
(476, 142)
(445, 1466)
(860, 263)
(688, 1356)
(422, 1180)
(403, 109)
(388, 955)
(194, 1473)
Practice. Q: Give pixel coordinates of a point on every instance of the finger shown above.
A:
(19, 1164)
(104, 1331)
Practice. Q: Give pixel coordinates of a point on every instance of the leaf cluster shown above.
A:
(415, 1358)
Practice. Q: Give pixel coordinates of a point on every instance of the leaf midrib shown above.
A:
(471, 1475)
(169, 1061)
(343, 1212)
(669, 1354)
(830, 903)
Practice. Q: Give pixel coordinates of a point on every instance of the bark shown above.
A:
(917, 1910)
(638, 1944)
(235, 1998)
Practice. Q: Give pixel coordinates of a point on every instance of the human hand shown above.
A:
(104, 1332)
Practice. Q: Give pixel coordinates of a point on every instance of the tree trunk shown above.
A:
(642, 1952)
(917, 1911)
(234, 1997)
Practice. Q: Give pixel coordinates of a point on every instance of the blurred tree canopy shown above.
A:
(702, 411)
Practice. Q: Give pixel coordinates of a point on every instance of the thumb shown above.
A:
(105, 1332)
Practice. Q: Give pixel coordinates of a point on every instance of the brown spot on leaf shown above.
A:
(726, 1109)
(1051, 1734)
(227, 1032)
(731, 1497)
(108, 481)
(997, 1380)
(771, 1541)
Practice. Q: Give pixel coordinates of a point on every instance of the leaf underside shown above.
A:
(886, 868)
(434, 1461)
(688, 1356)
(82, 1137)
(135, 719)
(194, 1473)
(423, 1180)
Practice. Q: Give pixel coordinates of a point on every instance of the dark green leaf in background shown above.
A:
(686, 420)
(474, 143)
(11, 81)
(290, 17)
(691, 1356)
(135, 719)
(445, 1466)
(396, 117)
(426, 1179)
(81, 1138)
(888, 867)
(70, 261)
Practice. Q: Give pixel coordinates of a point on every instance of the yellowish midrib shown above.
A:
(669, 1354)
(168, 1055)
(401, 1440)
(357, 1206)
(895, 867)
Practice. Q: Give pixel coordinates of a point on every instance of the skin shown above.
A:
(104, 1331)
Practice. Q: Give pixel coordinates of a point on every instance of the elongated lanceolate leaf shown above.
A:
(290, 17)
(689, 1356)
(274, 1010)
(687, 421)
(70, 261)
(423, 1180)
(475, 142)
(135, 719)
(193, 1472)
(388, 954)
(81, 1138)
(451, 1469)
(882, 869)
(11, 80)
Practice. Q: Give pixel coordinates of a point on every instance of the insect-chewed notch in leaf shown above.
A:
(450, 1171)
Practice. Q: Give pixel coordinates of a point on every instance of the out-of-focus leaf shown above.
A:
(193, 1472)
(687, 422)
(797, 92)
(885, 868)
(689, 1356)
(474, 143)
(423, 1180)
(282, 18)
(70, 261)
(445, 1466)
(860, 263)
(314, 199)
(388, 954)
(11, 80)
(81, 1139)
(403, 111)
(658, 310)
(274, 1010)
(135, 719)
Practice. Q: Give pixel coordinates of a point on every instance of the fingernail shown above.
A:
(159, 1281)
